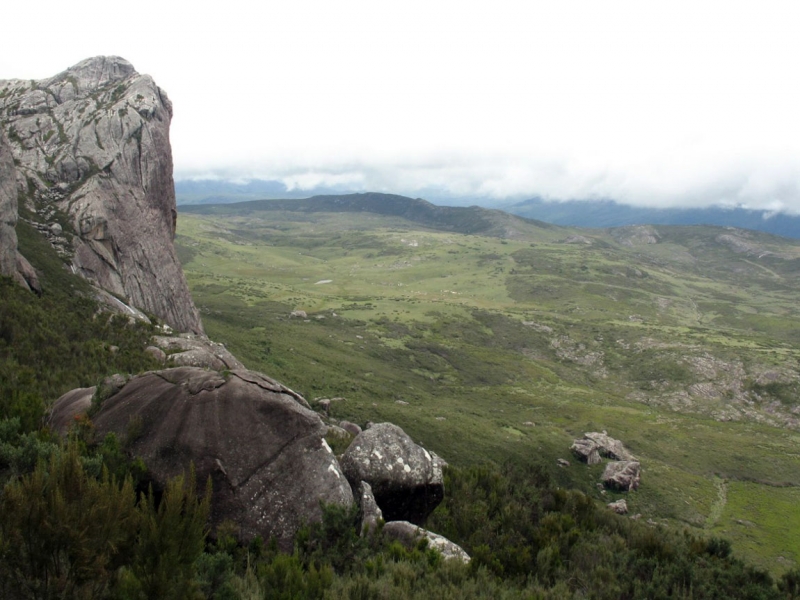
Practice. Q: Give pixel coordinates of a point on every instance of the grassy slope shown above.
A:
(481, 335)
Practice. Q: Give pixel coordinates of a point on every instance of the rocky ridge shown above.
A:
(90, 148)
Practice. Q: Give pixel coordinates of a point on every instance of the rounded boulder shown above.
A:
(406, 479)
(259, 442)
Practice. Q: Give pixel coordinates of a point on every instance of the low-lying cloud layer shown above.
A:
(658, 104)
(763, 185)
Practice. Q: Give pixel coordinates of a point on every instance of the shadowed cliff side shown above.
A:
(12, 263)
(94, 166)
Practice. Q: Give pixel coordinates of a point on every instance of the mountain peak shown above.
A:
(98, 71)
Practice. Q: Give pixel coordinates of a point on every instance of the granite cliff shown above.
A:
(92, 167)
(12, 263)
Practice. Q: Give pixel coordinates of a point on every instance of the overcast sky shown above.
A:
(654, 103)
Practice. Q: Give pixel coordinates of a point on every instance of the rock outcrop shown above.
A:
(409, 535)
(586, 451)
(593, 445)
(12, 263)
(405, 478)
(260, 443)
(622, 475)
(189, 350)
(92, 143)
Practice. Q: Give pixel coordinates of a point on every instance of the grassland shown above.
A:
(682, 342)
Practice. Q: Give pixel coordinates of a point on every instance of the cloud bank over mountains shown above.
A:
(676, 104)
(759, 184)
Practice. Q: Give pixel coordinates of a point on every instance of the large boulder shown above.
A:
(405, 478)
(259, 442)
(622, 475)
(409, 535)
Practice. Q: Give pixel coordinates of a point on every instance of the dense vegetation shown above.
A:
(67, 531)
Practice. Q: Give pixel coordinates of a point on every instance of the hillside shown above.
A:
(680, 341)
(569, 213)
(465, 220)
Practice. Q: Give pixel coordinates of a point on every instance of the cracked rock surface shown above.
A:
(258, 441)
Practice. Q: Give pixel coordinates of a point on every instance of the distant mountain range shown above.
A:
(607, 213)
(578, 213)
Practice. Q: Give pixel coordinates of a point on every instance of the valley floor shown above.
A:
(484, 348)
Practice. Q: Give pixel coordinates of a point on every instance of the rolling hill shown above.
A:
(486, 336)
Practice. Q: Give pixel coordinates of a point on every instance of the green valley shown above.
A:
(488, 338)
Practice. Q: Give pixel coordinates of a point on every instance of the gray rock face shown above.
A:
(371, 514)
(8, 211)
(586, 451)
(409, 534)
(405, 478)
(12, 263)
(93, 143)
(261, 445)
(623, 475)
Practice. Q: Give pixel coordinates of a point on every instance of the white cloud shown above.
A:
(658, 104)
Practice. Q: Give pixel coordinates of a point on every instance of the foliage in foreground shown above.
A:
(67, 534)
(50, 345)
(68, 531)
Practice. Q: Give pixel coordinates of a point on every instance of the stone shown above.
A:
(350, 428)
(325, 405)
(593, 445)
(406, 479)
(620, 506)
(112, 385)
(69, 406)
(189, 350)
(93, 141)
(586, 451)
(410, 534)
(338, 432)
(563, 462)
(259, 442)
(622, 475)
(371, 515)
(157, 353)
(609, 447)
